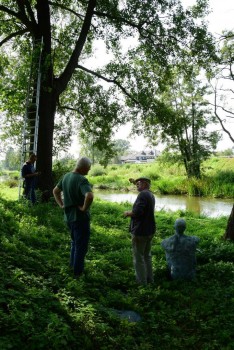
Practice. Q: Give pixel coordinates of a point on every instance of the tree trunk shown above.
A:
(47, 103)
(229, 234)
(45, 143)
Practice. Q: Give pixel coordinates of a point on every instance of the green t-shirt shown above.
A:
(74, 187)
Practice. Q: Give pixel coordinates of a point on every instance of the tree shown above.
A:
(12, 159)
(120, 148)
(187, 132)
(223, 75)
(222, 78)
(68, 30)
(178, 113)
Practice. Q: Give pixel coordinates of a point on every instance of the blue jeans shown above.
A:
(29, 191)
(80, 234)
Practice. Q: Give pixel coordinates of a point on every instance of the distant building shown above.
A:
(139, 157)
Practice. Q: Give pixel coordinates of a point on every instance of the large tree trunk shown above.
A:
(47, 104)
(45, 143)
(51, 88)
(229, 234)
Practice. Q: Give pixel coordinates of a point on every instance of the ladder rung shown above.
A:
(28, 143)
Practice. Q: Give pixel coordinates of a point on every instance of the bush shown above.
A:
(97, 170)
(61, 168)
(11, 183)
(225, 176)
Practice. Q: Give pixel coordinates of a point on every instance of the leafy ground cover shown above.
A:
(43, 307)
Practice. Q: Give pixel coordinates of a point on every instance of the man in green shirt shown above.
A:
(76, 200)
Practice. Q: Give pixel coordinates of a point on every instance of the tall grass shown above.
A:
(217, 178)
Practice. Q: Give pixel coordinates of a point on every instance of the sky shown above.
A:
(220, 18)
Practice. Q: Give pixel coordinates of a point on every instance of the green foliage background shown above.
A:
(170, 178)
(43, 307)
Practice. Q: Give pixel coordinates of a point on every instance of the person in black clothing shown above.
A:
(142, 228)
(29, 174)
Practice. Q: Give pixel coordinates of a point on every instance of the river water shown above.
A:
(205, 206)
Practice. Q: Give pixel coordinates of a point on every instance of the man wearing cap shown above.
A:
(142, 228)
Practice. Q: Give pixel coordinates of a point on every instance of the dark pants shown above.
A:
(142, 259)
(80, 234)
(29, 191)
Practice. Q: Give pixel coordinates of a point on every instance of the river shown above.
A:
(204, 206)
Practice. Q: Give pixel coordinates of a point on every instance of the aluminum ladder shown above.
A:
(31, 117)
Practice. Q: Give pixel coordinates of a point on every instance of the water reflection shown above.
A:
(205, 206)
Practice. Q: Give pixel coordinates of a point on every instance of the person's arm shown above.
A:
(87, 201)
(128, 213)
(32, 174)
(138, 208)
(26, 173)
(132, 181)
(57, 195)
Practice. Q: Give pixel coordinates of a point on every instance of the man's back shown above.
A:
(74, 187)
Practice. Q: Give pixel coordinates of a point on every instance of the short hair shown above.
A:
(32, 155)
(83, 162)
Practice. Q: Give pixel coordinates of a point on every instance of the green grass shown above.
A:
(43, 307)
(8, 193)
(217, 178)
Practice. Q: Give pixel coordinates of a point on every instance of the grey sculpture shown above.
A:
(181, 252)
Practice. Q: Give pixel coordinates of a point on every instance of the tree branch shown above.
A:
(68, 108)
(220, 120)
(10, 12)
(223, 109)
(30, 12)
(149, 35)
(65, 77)
(23, 16)
(113, 81)
(107, 15)
(65, 8)
(13, 35)
(19, 15)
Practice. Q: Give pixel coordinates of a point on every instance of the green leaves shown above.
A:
(43, 307)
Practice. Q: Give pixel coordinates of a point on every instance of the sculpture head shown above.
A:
(180, 226)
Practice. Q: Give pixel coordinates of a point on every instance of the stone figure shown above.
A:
(181, 252)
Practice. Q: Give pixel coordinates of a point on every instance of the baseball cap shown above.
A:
(146, 179)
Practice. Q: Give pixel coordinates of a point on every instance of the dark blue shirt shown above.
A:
(143, 220)
(28, 168)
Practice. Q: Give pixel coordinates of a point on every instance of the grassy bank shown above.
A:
(43, 307)
(217, 178)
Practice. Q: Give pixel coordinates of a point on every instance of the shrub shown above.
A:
(97, 170)
(225, 176)
(11, 183)
(60, 168)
